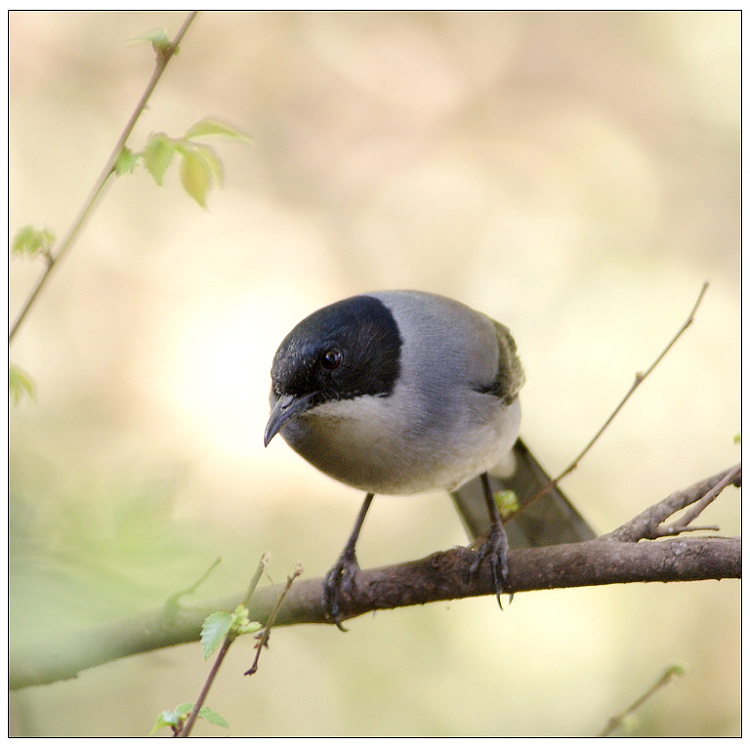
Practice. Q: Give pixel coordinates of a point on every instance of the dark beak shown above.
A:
(285, 409)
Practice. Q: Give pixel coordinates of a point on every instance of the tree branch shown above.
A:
(647, 524)
(612, 559)
(163, 57)
(640, 377)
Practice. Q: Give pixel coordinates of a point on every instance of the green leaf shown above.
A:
(172, 718)
(737, 438)
(126, 162)
(157, 155)
(20, 385)
(184, 709)
(212, 161)
(165, 719)
(208, 126)
(175, 718)
(507, 503)
(30, 241)
(200, 167)
(249, 627)
(158, 38)
(213, 631)
(241, 623)
(211, 716)
(196, 175)
(220, 624)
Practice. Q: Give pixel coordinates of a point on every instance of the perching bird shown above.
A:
(401, 392)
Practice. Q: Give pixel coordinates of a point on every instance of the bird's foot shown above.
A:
(495, 548)
(339, 579)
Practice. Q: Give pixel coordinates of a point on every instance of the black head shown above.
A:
(342, 351)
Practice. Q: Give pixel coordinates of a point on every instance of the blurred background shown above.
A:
(574, 175)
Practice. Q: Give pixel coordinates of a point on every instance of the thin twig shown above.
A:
(672, 672)
(648, 524)
(187, 726)
(639, 378)
(228, 639)
(173, 601)
(703, 502)
(53, 259)
(263, 640)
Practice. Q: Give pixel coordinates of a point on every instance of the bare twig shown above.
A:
(163, 57)
(647, 524)
(672, 672)
(173, 601)
(681, 525)
(263, 637)
(187, 726)
(639, 379)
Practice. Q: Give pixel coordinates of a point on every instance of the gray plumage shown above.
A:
(401, 392)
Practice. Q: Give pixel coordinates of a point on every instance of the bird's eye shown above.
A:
(331, 359)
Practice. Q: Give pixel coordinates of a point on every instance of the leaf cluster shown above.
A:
(31, 241)
(221, 624)
(175, 718)
(200, 167)
(158, 39)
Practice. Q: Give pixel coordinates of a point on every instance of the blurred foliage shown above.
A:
(30, 241)
(20, 385)
(92, 552)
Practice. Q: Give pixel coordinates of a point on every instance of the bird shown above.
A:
(401, 392)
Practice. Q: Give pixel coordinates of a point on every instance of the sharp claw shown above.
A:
(340, 577)
(495, 546)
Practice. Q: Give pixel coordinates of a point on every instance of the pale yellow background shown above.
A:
(574, 175)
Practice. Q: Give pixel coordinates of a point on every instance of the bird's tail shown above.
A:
(549, 519)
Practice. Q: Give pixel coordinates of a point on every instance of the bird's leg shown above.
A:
(341, 574)
(494, 546)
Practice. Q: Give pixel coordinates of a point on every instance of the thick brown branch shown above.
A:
(615, 558)
(441, 576)
(445, 576)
